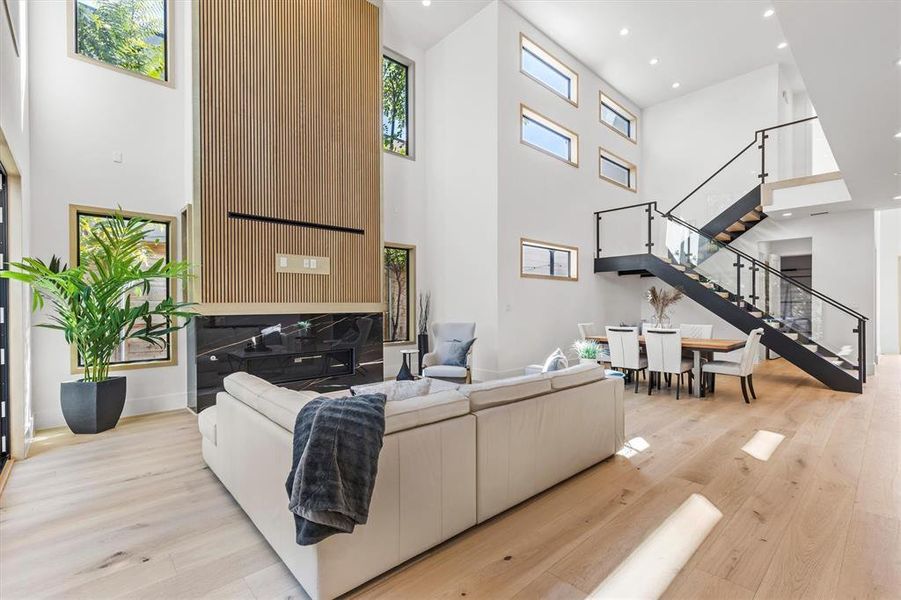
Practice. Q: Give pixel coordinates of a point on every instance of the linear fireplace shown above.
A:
(319, 352)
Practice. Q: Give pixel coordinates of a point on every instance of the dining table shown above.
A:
(699, 347)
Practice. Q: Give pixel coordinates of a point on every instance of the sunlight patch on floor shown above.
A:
(652, 566)
(633, 447)
(763, 444)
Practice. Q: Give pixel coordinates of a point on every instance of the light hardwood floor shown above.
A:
(134, 512)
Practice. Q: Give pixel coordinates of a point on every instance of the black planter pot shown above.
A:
(92, 407)
(422, 343)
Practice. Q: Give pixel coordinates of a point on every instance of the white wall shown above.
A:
(403, 180)
(888, 224)
(546, 199)
(459, 255)
(688, 138)
(81, 115)
(15, 154)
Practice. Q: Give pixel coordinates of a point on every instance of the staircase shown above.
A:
(730, 283)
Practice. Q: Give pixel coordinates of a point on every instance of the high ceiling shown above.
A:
(849, 62)
(697, 43)
(425, 26)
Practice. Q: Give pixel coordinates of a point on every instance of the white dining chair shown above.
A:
(664, 350)
(624, 351)
(743, 369)
(697, 331)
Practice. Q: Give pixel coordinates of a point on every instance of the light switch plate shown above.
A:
(298, 263)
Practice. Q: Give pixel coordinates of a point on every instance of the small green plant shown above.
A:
(586, 349)
(98, 303)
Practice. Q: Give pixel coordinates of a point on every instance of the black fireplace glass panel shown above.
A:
(319, 352)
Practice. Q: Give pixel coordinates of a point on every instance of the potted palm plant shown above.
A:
(99, 304)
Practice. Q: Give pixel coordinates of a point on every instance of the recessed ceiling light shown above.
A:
(676, 84)
(897, 198)
(898, 62)
(654, 61)
(426, 2)
(768, 13)
(788, 214)
(782, 46)
(624, 31)
(898, 136)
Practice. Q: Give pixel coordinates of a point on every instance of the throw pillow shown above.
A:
(395, 390)
(452, 353)
(555, 362)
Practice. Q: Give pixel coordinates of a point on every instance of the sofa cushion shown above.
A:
(575, 375)
(395, 390)
(280, 405)
(503, 391)
(445, 371)
(206, 422)
(414, 412)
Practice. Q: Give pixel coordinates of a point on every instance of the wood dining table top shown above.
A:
(702, 344)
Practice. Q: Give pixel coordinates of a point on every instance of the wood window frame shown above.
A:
(526, 43)
(411, 293)
(573, 264)
(76, 210)
(623, 111)
(553, 125)
(633, 169)
(71, 42)
(411, 103)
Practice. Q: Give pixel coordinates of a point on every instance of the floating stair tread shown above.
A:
(756, 313)
(694, 276)
(792, 336)
(736, 227)
(723, 237)
(708, 285)
(811, 347)
(751, 217)
(722, 294)
(678, 267)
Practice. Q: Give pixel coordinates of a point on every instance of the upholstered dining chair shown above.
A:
(744, 369)
(624, 351)
(664, 351)
(590, 329)
(448, 332)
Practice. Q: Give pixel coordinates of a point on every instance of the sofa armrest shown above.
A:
(533, 369)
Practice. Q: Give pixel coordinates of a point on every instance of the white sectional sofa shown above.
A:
(450, 459)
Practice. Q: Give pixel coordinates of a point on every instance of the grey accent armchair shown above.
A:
(445, 332)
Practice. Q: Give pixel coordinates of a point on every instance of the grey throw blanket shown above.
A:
(336, 454)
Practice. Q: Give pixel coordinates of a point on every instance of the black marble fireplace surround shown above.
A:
(319, 352)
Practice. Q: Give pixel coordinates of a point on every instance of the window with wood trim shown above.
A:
(618, 118)
(617, 170)
(538, 64)
(132, 35)
(400, 270)
(551, 138)
(158, 244)
(542, 260)
(397, 104)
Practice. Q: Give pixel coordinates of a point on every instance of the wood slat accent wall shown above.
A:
(289, 127)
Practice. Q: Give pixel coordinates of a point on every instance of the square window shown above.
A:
(549, 137)
(539, 65)
(617, 118)
(617, 170)
(397, 93)
(548, 261)
(127, 34)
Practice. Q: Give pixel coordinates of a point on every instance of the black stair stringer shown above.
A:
(734, 213)
(810, 362)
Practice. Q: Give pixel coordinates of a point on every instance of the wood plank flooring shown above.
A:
(135, 513)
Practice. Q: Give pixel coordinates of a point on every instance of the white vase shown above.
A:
(588, 361)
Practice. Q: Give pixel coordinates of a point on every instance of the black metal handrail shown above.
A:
(761, 134)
